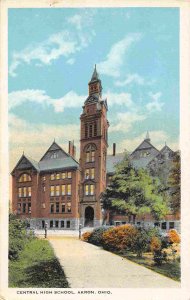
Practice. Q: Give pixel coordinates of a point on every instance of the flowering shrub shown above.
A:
(119, 238)
(155, 244)
(86, 236)
(173, 236)
(96, 236)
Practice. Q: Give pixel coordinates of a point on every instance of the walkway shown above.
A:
(88, 266)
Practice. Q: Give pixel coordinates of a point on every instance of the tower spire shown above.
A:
(147, 136)
(95, 75)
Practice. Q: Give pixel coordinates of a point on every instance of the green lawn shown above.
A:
(37, 266)
(170, 269)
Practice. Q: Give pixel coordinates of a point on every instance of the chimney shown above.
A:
(114, 148)
(70, 146)
(74, 151)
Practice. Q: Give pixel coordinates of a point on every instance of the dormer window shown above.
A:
(54, 155)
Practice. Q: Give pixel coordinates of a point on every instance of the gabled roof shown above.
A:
(48, 163)
(26, 162)
(166, 149)
(144, 145)
(54, 148)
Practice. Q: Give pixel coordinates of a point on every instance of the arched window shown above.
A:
(90, 153)
(25, 177)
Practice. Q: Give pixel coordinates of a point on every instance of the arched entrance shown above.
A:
(89, 216)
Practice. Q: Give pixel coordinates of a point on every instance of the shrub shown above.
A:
(85, 236)
(96, 236)
(159, 257)
(17, 236)
(141, 241)
(119, 238)
(155, 244)
(173, 236)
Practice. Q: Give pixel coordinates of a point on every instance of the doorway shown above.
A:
(89, 217)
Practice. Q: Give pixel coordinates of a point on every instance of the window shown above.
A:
(57, 190)
(52, 190)
(87, 173)
(57, 176)
(63, 207)
(52, 208)
(57, 224)
(44, 178)
(87, 156)
(163, 225)
(51, 224)
(86, 189)
(69, 207)
(54, 155)
(24, 207)
(90, 153)
(69, 175)
(29, 208)
(19, 208)
(171, 225)
(68, 224)
(93, 156)
(86, 130)
(25, 177)
(63, 175)
(62, 224)
(91, 189)
(29, 191)
(92, 173)
(20, 192)
(24, 192)
(95, 129)
(63, 189)
(57, 207)
(90, 130)
(52, 176)
(44, 188)
(69, 189)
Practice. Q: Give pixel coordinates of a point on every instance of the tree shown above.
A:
(173, 185)
(134, 192)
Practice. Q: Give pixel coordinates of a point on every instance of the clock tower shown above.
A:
(93, 153)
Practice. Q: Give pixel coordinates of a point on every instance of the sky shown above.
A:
(52, 53)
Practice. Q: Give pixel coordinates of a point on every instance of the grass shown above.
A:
(37, 266)
(170, 268)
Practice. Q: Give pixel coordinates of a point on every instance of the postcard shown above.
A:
(95, 150)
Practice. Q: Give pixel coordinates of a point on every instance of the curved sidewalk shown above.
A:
(88, 266)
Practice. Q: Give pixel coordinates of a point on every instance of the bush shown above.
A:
(17, 236)
(85, 236)
(96, 236)
(141, 241)
(119, 238)
(159, 257)
(155, 244)
(173, 236)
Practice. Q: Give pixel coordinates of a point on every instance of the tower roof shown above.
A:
(95, 76)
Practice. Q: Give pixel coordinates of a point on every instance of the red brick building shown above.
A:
(62, 192)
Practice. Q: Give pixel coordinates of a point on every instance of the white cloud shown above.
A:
(155, 104)
(71, 61)
(63, 43)
(124, 121)
(131, 78)
(34, 139)
(71, 99)
(114, 61)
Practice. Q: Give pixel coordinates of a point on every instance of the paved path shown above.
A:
(88, 266)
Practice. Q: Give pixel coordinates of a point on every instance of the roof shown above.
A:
(58, 163)
(95, 76)
(113, 160)
(49, 162)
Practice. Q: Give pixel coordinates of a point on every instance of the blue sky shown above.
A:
(52, 53)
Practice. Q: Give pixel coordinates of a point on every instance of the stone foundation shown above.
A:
(55, 224)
